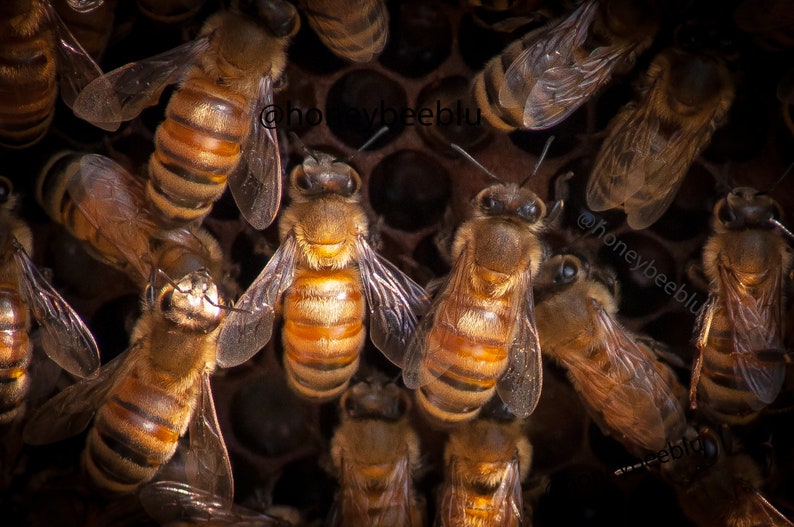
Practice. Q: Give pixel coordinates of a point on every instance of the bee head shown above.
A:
(193, 301)
(510, 200)
(323, 174)
(695, 78)
(278, 16)
(375, 399)
(745, 207)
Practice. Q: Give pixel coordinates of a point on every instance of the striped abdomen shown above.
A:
(196, 148)
(723, 394)
(27, 78)
(15, 354)
(354, 34)
(136, 430)
(471, 335)
(323, 331)
(374, 501)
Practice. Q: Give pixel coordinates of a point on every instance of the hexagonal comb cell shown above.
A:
(420, 39)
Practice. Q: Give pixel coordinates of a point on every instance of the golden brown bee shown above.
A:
(480, 335)
(356, 31)
(717, 487)
(486, 461)
(375, 454)
(631, 395)
(210, 133)
(145, 399)
(328, 274)
(102, 204)
(652, 141)
(541, 79)
(38, 54)
(748, 263)
(175, 503)
(24, 291)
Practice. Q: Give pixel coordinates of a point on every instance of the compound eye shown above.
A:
(303, 181)
(566, 272)
(6, 188)
(530, 212)
(725, 213)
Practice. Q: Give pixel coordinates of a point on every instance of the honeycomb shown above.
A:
(416, 191)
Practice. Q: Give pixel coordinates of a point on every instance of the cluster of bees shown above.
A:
(466, 352)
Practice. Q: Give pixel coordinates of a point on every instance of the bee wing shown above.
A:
(256, 180)
(551, 49)
(76, 68)
(393, 299)
(207, 465)
(520, 385)
(70, 411)
(350, 42)
(509, 496)
(756, 326)
(638, 168)
(65, 337)
(174, 501)
(121, 94)
(112, 199)
(249, 325)
(762, 513)
(703, 323)
(420, 346)
(645, 397)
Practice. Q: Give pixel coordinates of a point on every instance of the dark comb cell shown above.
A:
(420, 39)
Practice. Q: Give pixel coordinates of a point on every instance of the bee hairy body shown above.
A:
(15, 353)
(323, 331)
(353, 31)
(28, 72)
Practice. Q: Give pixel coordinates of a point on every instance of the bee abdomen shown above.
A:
(196, 148)
(458, 393)
(15, 354)
(323, 332)
(27, 73)
(134, 433)
(487, 84)
(357, 36)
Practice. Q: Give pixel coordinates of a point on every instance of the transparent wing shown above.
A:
(256, 180)
(426, 342)
(65, 337)
(207, 464)
(393, 299)
(756, 323)
(547, 49)
(358, 42)
(85, 6)
(760, 511)
(508, 496)
(174, 501)
(112, 200)
(76, 68)
(249, 326)
(120, 95)
(520, 385)
(70, 411)
(703, 323)
(643, 398)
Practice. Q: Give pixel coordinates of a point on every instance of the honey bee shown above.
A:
(652, 141)
(541, 79)
(24, 291)
(486, 461)
(102, 204)
(375, 453)
(630, 394)
(143, 401)
(354, 31)
(176, 503)
(480, 335)
(210, 133)
(322, 267)
(37, 48)
(720, 488)
(747, 262)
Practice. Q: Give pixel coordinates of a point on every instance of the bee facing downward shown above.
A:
(322, 267)
(24, 291)
(480, 335)
(210, 133)
(748, 262)
(147, 398)
(355, 31)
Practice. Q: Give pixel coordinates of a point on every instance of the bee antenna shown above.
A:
(293, 137)
(637, 466)
(782, 228)
(781, 178)
(473, 161)
(382, 130)
(540, 160)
